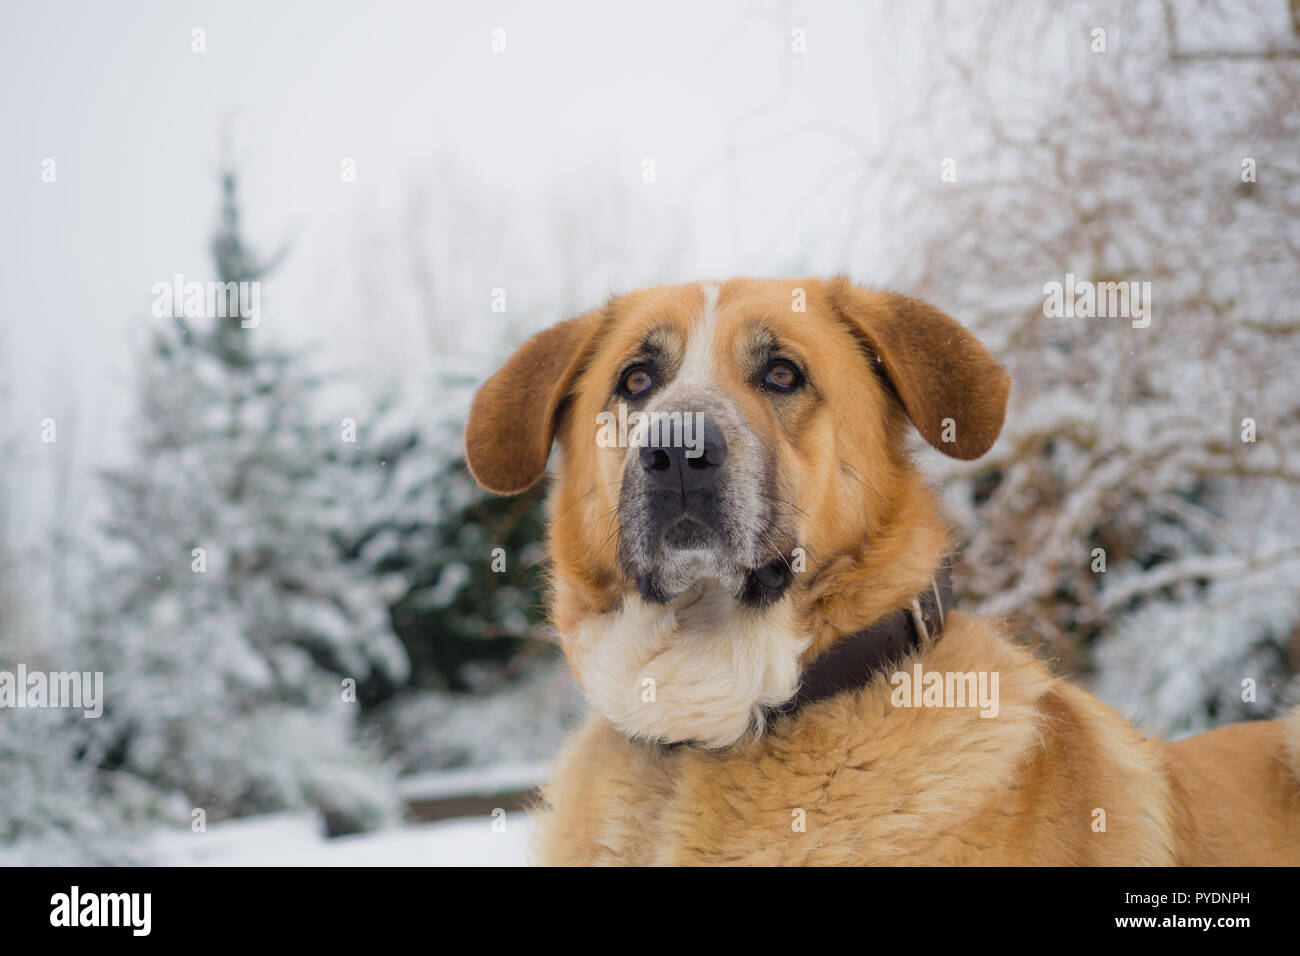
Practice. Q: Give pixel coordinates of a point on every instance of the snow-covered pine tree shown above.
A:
(230, 624)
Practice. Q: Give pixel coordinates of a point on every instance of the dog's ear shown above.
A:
(952, 389)
(513, 417)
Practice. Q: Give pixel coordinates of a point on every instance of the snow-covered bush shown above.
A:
(1160, 448)
(462, 568)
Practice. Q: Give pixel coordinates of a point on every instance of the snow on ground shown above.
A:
(295, 839)
(472, 781)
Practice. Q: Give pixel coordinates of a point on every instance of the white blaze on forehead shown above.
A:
(697, 363)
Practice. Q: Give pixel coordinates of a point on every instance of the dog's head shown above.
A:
(732, 485)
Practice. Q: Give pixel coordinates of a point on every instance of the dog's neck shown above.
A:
(856, 659)
(701, 671)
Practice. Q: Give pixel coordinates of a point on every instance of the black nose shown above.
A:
(677, 468)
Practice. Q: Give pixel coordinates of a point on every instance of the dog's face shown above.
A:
(723, 447)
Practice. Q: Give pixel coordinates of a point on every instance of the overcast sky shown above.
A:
(757, 150)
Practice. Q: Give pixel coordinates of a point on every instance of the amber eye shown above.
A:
(637, 381)
(782, 376)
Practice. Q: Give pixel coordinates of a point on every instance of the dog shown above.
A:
(750, 581)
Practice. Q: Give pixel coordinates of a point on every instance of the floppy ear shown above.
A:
(942, 375)
(512, 419)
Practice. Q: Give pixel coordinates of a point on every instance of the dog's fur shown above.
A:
(685, 626)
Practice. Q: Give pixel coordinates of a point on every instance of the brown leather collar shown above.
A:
(854, 660)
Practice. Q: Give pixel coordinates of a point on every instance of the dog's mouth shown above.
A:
(688, 551)
(759, 587)
(688, 533)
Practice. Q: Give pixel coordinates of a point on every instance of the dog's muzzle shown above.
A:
(689, 513)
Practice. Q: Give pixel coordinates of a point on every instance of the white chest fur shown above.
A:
(701, 669)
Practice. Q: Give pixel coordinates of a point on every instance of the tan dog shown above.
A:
(732, 584)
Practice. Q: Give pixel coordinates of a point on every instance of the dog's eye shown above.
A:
(782, 376)
(636, 381)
